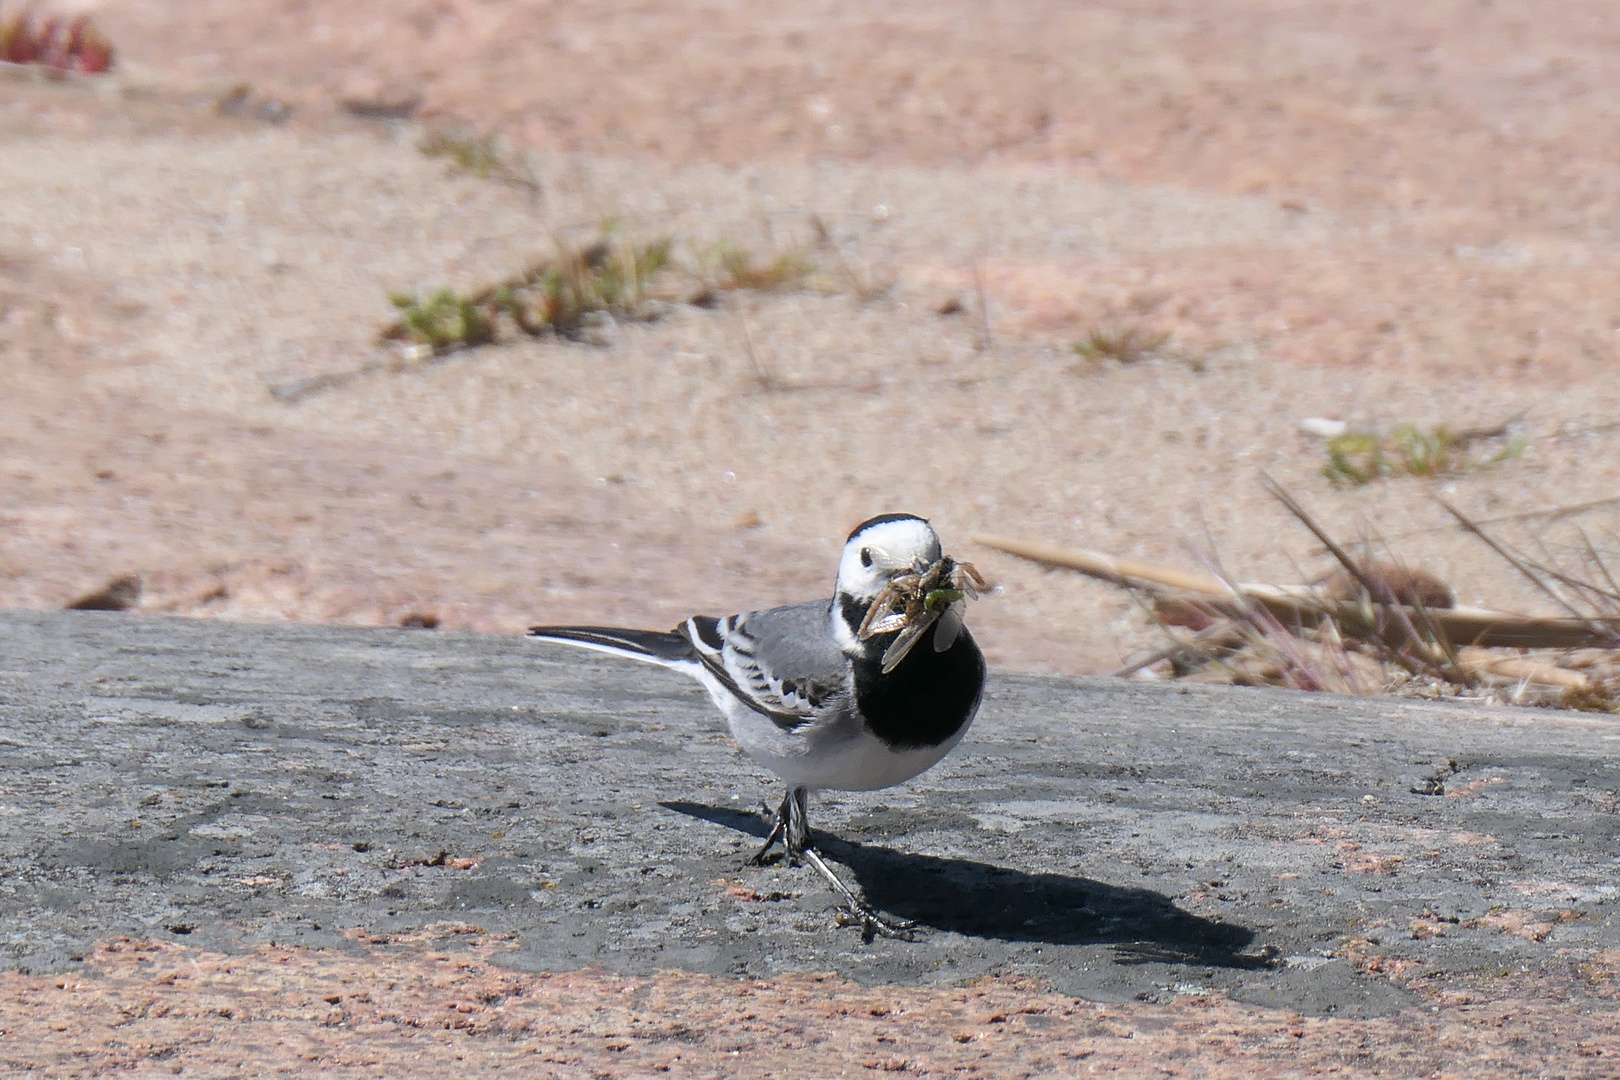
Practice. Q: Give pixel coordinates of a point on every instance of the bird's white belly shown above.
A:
(841, 757)
(863, 764)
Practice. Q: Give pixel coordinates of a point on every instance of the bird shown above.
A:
(858, 692)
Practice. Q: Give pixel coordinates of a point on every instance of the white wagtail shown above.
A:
(859, 692)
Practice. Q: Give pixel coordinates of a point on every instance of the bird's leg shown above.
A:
(796, 840)
(784, 814)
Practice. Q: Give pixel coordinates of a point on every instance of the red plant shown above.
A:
(76, 46)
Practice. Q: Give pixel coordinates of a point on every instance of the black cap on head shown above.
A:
(879, 520)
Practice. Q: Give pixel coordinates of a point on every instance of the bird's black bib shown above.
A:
(925, 700)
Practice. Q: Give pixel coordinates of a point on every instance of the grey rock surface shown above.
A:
(225, 785)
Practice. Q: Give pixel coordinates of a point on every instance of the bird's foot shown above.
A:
(874, 926)
(763, 857)
(858, 911)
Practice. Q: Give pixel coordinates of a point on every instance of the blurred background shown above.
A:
(470, 314)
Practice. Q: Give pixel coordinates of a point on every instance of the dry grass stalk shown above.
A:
(1245, 644)
(1401, 623)
(1597, 606)
(1549, 515)
(768, 380)
(1256, 634)
(1377, 627)
(858, 278)
(485, 156)
(986, 339)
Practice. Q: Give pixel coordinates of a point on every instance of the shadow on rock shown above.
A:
(981, 900)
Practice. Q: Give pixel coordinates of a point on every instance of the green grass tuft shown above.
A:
(1128, 345)
(609, 276)
(445, 320)
(559, 296)
(736, 268)
(1359, 457)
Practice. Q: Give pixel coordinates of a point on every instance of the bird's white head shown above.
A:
(882, 549)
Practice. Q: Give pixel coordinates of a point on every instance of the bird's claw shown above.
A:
(779, 823)
(874, 926)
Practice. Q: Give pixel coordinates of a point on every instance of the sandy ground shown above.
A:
(1374, 212)
(425, 1005)
(165, 266)
(1369, 214)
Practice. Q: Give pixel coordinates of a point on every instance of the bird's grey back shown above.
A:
(796, 642)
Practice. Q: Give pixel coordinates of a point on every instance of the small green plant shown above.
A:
(1128, 345)
(560, 296)
(1359, 457)
(478, 154)
(484, 156)
(446, 320)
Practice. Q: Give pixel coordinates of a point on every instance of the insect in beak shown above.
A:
(911, 603)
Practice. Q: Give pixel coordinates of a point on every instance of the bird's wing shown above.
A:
(783, 663)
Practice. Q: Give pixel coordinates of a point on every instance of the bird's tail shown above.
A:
(670, 650)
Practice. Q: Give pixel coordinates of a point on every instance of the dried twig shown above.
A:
(1555, 513)
(1419, 633)
(1473, 626)
(1517, 667)
(1601, 629)
(1374, 617)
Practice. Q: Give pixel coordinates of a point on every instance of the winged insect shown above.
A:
(911, 603)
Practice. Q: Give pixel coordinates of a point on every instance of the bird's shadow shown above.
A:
(980, 900)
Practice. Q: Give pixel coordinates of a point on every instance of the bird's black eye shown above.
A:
(866, 556)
